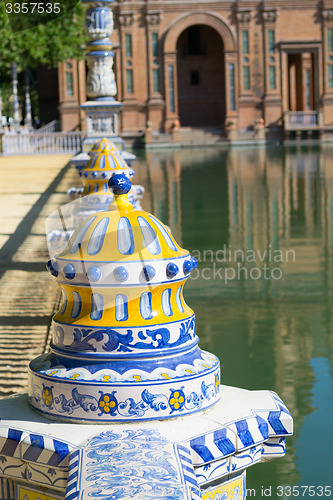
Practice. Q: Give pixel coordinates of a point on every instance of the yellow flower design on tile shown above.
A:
(108, 403)
(177, 400)
(47, 396)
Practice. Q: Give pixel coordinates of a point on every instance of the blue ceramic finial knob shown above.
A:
(119, 184)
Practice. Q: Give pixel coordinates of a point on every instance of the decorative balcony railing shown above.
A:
(49, 128)
(302, 120)
(57, 142)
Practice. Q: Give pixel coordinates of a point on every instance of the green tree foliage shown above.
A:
(46, 43)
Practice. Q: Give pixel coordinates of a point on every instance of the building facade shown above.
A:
(218, 64)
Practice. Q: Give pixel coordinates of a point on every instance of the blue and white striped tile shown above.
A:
(34, 447)
(279, 402)
(212, 446)
(250, 431)
(187, 469)
(10, 440)
(279, 419)
(73, 475)
(45, 450)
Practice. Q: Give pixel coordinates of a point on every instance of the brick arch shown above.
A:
(207, 18)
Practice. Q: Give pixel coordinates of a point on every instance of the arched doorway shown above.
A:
(201, 77)
(215, 26)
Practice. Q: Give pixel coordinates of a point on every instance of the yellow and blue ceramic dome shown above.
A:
(104, 144)
(100, 146)
(124, 344)
(103, 164)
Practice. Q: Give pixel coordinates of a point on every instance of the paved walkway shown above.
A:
(30, 189)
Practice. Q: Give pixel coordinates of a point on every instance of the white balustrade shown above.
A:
(49, 128)
(298, 120)
(57, 142)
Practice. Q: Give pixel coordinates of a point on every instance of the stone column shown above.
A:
(247, 101)
(231, 86)
(307, 77)
(272, 99)
(171, 91)
(128, 75)
(16, 106)
(102, 109)
(28, 117)
(327, 95)
(155, 105)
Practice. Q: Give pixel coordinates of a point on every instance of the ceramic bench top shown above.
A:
(244, 428)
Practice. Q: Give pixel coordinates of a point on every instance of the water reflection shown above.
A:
(270, 333)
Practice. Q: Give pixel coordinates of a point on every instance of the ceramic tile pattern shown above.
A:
(194, 459)
(130, 464)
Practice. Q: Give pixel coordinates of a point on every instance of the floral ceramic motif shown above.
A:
(47, 396)
(108, 403)
(177, 400)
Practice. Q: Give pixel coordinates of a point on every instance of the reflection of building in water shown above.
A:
(275, 198)
(282, 202)
(278, 206)
(285, 202)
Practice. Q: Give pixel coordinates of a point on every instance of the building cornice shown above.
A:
(291, 45)
(222, 5)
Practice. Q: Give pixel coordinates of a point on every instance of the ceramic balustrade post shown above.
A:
(102, 109)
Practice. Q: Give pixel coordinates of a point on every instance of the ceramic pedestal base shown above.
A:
(200, 456)
(102, 122)
(114, 390)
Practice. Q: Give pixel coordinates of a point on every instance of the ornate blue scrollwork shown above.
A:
(141, 465)
(86, 402)
(86, 339)
(156, 402)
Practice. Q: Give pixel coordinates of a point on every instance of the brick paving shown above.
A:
(30, 189)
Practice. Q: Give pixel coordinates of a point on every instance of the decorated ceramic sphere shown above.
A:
(124, 344)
